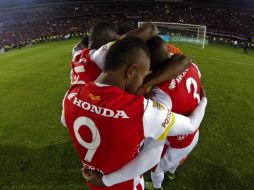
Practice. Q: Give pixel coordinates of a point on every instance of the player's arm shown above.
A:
(158, 123)
(99, 56)
(76, 48)
(187, 125)
(192, 122)
(148, 157)
(161, 97)
(168, 70)
(81, 45)
(145, 32)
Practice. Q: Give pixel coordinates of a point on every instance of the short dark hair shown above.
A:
(155, 43)
(85, 41)
(123, 52)
(101, 33)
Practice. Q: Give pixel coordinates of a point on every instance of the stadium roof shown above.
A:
(15, 3)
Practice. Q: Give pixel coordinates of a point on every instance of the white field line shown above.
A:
(218, 59)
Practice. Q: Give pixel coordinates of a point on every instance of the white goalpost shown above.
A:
(184, 33)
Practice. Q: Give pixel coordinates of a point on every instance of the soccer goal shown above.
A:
(184, 33)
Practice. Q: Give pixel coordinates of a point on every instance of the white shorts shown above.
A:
(173, 156)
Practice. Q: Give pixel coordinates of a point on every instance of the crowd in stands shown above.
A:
(28, 25)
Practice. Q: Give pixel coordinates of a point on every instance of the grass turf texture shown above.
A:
(36, 150)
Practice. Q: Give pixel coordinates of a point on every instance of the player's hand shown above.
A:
(176, 65)
(203, 93)
(141, 90)
(93, 177)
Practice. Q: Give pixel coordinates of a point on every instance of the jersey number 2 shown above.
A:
(96, 138)
(189, 82)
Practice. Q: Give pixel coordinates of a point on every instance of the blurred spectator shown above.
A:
(32, 25)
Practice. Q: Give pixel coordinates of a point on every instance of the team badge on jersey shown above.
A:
(94, 98)
(158, 106)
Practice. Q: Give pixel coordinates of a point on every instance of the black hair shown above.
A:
(100, 34)
(155, 43)
(85, 41)
(157, 54)
(123, 29)
(124, 52)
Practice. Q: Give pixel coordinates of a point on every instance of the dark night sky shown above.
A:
(12, 3)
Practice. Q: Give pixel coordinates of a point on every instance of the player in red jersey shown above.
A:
(102, 117)
(181, 95)
(87, 66)
(90, 61)
(82, 63)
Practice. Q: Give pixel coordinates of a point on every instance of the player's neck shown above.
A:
(110, 78)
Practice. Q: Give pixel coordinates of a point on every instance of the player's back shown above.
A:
(84, 69)
(184, 90)
(106, 126)
(184, 94)
(88, 65)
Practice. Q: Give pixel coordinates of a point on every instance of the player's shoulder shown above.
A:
(173, 49)
(166, 85)
(116, 95)
(85, 51)
(151, 107)
(105, 47)
(194, 67)
(157, 120)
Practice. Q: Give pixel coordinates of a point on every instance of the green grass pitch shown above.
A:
(36, 150)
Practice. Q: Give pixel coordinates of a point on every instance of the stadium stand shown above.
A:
(21, 26)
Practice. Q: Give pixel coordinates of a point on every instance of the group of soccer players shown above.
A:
(135, 104)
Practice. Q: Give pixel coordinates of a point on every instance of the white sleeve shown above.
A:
(149, 156)
(98, 56)
(162, 97)
(74, 49)
(157, 120)
(75, 54)
(187, 125)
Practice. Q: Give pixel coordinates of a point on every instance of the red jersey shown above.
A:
(84, 69)
(76, 56)
(184, 95)
(108, 126)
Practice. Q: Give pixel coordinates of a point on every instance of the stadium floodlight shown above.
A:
(185, 33)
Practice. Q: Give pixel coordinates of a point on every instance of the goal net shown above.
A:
(182, 33)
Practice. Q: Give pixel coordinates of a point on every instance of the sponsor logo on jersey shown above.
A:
(158, 106)
(100, 110)
(180, 77)
(168, 119)
(172, 84)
